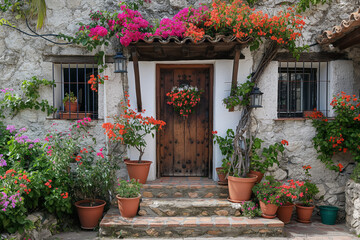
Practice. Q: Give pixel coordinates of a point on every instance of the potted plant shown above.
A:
(70, 102)
(268, 193)
(227, 150)
(258, 164)
(287, 198)
(128, 196)
(131, 128)
(306, 193)
(91, 178)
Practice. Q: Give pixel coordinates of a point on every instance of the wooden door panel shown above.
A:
(184, 145)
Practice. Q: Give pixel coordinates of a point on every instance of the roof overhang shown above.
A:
(345, 35)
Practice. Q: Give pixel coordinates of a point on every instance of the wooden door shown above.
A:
(184, 147)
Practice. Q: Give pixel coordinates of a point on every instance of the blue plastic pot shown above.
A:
(328, 214)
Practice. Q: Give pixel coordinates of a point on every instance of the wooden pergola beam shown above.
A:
(137, 79)
(234, 80)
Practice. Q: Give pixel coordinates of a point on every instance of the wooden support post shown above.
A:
(234, 81)
(137, 79)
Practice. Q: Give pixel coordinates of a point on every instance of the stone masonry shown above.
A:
(22, 56)
(352, 192)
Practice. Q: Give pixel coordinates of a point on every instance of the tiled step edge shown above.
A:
(188, 207)
(115, 226)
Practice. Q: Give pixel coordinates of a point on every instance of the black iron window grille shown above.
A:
(303, 87)
(72, 95)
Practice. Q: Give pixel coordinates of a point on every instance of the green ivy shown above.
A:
(28, 99)
(239, 95)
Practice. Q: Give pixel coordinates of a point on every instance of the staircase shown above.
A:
(186, 207)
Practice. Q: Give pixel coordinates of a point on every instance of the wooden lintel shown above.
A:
(310, 57)
(210, 51)
(137, 79)
(75, 59)
(185, 51)
(349, 40)
(159, 51)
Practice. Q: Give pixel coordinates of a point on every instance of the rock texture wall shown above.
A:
(22, 56)
(352, 192)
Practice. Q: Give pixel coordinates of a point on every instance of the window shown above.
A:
(302, 87)
(72, 80)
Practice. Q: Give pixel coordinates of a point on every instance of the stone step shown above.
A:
(185, 190)
(164, 207)
(113, 225)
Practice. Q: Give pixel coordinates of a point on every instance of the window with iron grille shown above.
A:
(72, 80)
(302, 87)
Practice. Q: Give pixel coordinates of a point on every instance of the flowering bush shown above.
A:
(250, 209)
(289, 191)
(128, 189)
(269, 155)
(184, 99)
(234, 19)
(341, 134)
(268, 192)
(130, 128)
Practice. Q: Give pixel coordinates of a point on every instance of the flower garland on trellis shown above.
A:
(184, 99)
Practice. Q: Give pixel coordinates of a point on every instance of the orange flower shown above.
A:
(340, 167)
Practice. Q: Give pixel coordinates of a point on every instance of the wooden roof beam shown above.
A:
(137, 79)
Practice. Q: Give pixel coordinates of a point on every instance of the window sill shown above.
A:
(292, 119)
(58, 119)
(297, 119)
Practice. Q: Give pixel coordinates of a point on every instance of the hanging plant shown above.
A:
(184, 99)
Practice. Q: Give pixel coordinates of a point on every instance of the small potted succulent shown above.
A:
(70, 102)
(128, 196)
(306, 193)
(268, 193)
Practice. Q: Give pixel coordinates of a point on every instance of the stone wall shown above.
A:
(352, 192)
(22, 56)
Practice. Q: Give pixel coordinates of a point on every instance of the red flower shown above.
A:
(214, 132)
(284, 142)
(340, 167)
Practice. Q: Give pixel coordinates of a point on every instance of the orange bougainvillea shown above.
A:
(95, 81)
(130, 128)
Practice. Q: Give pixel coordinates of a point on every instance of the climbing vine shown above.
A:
(13, 103)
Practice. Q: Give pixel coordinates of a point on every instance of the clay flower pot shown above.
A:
(258, 174)
(71, 107)
(221, 174)
(268, 210)
(89, 215)
(284, 212)
(240, 188)
(128, 207)
(138, 171)
(304, 213)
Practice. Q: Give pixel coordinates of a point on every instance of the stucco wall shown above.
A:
(22, 56)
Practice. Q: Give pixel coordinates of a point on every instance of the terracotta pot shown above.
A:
(304, 213)
(71, 107)
(138, 171)
(258, 174)
(128, 207)
(268, 210)
(221, 174)
(240, 188)
(89, 216)
(284, 212)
